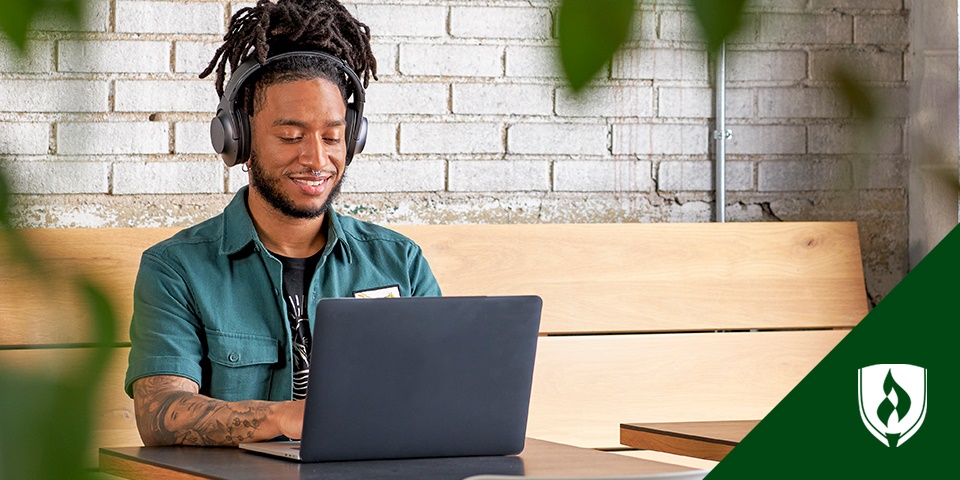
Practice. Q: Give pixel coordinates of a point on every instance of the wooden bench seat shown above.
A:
(641, 322)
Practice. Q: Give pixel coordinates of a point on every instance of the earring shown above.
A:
(244, 167)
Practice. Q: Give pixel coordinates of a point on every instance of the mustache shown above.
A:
(316, 173)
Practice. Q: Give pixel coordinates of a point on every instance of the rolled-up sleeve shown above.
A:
(165, 333)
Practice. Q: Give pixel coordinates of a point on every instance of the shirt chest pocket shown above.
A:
(241, 366)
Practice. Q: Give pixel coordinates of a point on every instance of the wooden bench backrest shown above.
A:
(632, 320)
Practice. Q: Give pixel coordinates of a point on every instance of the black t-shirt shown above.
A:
(297, 273)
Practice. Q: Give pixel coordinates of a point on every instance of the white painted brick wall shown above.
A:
(797, 175)
(192, 137)
(49, 95)
(686, 102)
(532, 61)
(777, 65)
(879, 173)
(498, 22)
(423, 98)
(37, 58)
(853, 138)
(677, 26)
(170, 17)
(646, 29)
(499, 176)
(692, 102)
(405, 20)
(113, 138)
(166, 96)
(741, 103)
(381, 138)
(831, 28)
(660, 139)
(602, 176)
(386, 55)
(767, 139)
(502, 99)
(880, 29)
(365, 175)
(857, 4)
(236, 178)
(117, 56)
(57, 178)
(803, 103)
(700, 176)
(24, 138)
(661, 64)
(167, 177)
(193, 57)
(451, 138)
(557, 139)
(451, 60)
(606, 102)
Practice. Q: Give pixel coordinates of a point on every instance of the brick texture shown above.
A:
(114, 56)
(471, 120)
(24, 138)
(463, 138)
(112, 138)
(167, 177)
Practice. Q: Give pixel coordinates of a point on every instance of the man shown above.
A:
(222, 311)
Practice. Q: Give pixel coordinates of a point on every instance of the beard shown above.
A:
(269, 189)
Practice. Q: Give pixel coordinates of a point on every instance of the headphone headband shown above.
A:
(230, 130)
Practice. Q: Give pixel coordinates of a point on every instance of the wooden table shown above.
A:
(707, 440)
(539, 458)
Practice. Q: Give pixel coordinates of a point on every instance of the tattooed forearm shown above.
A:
(170, 411)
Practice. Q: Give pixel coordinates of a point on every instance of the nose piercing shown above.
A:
(316, 173)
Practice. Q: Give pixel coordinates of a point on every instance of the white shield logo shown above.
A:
(893, 401)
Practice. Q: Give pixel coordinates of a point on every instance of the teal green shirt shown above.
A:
(208, 302)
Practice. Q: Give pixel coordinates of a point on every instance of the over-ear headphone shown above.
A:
(230, 129)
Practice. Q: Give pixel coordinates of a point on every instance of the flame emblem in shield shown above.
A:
(893, 401)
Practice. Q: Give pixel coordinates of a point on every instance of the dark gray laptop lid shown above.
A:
(420, 377)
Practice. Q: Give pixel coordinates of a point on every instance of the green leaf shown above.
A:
(5, 202)
(718, 19)
(16, 16)
(852, 90)
(590, 33)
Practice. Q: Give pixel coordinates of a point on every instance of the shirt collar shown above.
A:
(239, 232)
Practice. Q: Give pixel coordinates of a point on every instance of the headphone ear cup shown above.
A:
(223, 133)
(243, 136)
(353, 133)
(361, 140)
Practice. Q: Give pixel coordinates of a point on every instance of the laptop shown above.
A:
(417, 377)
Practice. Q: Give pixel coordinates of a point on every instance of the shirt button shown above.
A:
(234, 357)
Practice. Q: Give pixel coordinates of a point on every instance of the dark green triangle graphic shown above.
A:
(817, 431)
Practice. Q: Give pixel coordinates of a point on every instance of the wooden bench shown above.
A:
(641, 322)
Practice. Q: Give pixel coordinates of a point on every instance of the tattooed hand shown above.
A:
(170, 411)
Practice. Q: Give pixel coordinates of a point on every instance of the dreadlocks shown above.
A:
(287, 25)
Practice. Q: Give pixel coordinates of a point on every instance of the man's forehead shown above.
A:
(292, 94)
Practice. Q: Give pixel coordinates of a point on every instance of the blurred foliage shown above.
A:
(718, 19)
(590, 33)
(46, 418)
(851, 90)
(16, 16)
